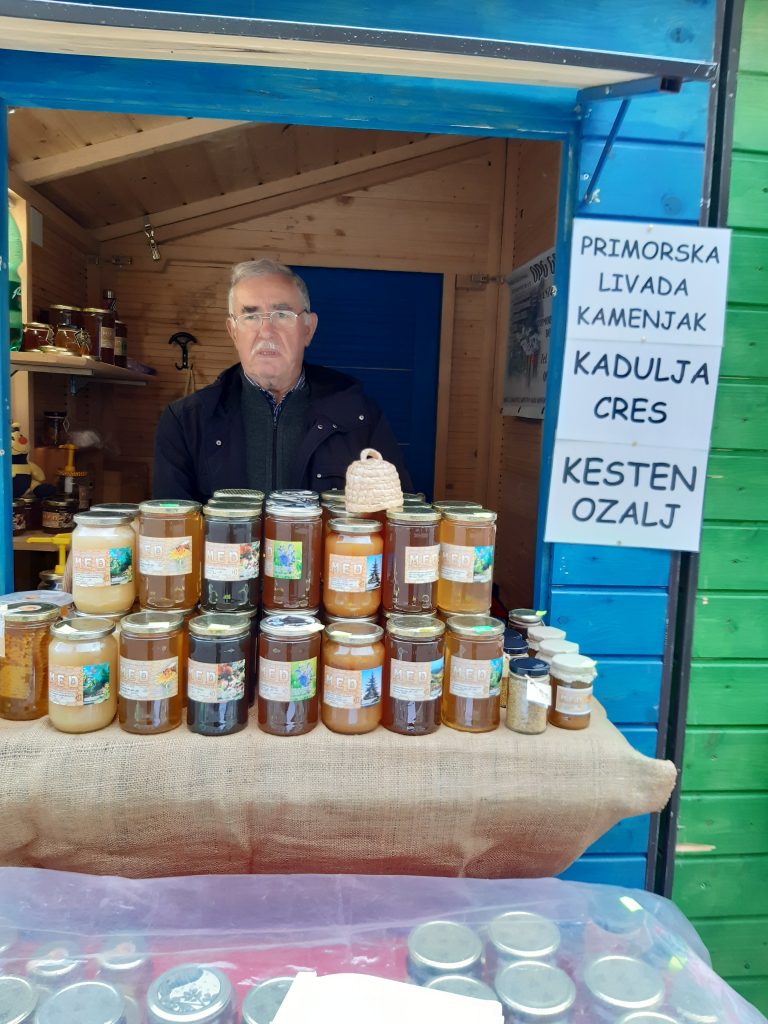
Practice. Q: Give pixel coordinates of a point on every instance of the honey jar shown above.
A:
(289, 662)
(412, 683)
(521, 619)
(150, 692)
(24, 629)
(35, 335)
(411, 559)
(474, 658)
(353, 656)
(59, 514)
(292, 552)
(170, 554)
(231, 556)
(217, 673)
(572, 676)
(467, 543)
(103, 556)
(121, 343)
(100, 325)
(82, 674)
(352, 568)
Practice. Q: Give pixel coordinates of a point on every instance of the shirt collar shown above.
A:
(299, 384)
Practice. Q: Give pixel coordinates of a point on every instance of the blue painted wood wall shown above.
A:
(615, 602)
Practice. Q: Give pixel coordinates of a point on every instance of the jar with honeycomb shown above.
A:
(24, 638)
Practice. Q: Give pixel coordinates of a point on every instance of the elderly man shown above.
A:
(272, 421)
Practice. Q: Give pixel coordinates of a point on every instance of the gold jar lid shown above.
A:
(449, 503)
(36, 323)
(415, 627)
(89, 627)
(95, 518)
(291, 509)
(161, 507)
(332, 495)
(220, 626)
(95, 309)
(239, 492)
(126, 507)
(29, 613)
(232, 510)
(470, 514)
(353, 634)
(525, 617)
(290, 626)
(475, 627)
(420, 515)
(355, 525)
(58, 305)
(151, 624)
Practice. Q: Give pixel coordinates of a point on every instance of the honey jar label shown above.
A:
(121, 346)
(573, 701)
(165, 556)
(102, 567)
(343, 688)
(287, 681)
(416, 680)
(475, 679)
(283, 559)
(57, 520)
(79, 685)
(231, 562)
(422, 565)
(354, 573)
(462, 564)
(149, 680)
(106, 337)
(215, 683)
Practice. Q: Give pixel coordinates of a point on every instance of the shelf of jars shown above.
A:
(40, 541)
(77, 366)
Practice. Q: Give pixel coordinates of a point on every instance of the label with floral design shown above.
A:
(102, 567)
(149, 680)
(475, 680)
(287, 681)
(416, 680)
(283, 559)
(215, 684)
(165, 556)
(462, 564)
(231, 562)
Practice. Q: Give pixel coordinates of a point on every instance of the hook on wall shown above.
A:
(183, 340)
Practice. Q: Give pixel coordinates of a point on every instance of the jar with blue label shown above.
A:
(474, 659)
(82, 674)
(414, 662)
(353, 657)
(467, 545)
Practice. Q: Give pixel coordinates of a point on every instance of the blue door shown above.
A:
(383, 327)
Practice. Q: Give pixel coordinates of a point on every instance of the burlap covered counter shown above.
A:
(491, 805)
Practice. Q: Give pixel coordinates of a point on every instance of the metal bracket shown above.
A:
(116, 261)
(149, 231)
(607, 147)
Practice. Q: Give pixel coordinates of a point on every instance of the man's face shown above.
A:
(271, 355)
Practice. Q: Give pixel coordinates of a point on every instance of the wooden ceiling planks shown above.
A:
(34, 134)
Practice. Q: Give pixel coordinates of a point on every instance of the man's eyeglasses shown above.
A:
(278, 318)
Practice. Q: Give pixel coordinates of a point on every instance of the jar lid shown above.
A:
(450, 503)
(239, 492)
(127, 507)
(220, 625)
(535, 989)
(61, 503)
(169, 508)
(624, 983)
(463, 985)
(189, 994)
(351, 525)
(524, 936)
(58, 305)
(290, 626)
(573, 668)
(534, 667)
(121, 322)
(89, 627)
(332, 495)
(151, 623)
(267, 613)
(94, 518)
(232, 510)
(29, 613)
(56, 960)
(549, 648)
(472, 515)
(514, 642)
(525, 617)
(18, 999)
(87, 1002)
(354, 634)
(415, 627)
(295, 494)
(444, 946)
(538, 633)
(424, 514)
(261, 1004)
(476, 627)
(692, 1003)
(9, 936)
(615, 913)
(51, 576)
(123, 954)
(95, 309)
(647, 1017)
(35, 323)
(293, 509)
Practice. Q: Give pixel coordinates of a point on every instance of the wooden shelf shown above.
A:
(20, 542)
(76, 366)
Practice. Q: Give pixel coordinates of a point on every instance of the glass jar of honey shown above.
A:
(474, 658)
(521, 620)
(187, 614)
(412, 684)
(24, 629)
(150, 672)
(103, 555)
(170, 554)
(537, 634)
(411, 560)
(292, 552)
(353, 656)
(352, 568)
(59, 514)
(467, 542)
(217, 672)
(572, 676)
(100, 325)
(231, 556)
(82, 674)
(35, 335)
(289, 661)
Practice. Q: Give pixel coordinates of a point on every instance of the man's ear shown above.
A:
(311, 328)
(231, 327)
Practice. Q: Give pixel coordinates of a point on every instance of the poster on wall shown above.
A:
(646, 312)
(531, 290)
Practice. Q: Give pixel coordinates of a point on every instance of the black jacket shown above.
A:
(200, 443)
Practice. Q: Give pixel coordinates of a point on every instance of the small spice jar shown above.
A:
(121, 343)
(19, 518)
(87, 1002)
(82, 674)
(521, 619)
(474, 657)
(618, 985)
(520, 935)
(289, 660)
(411, 559)
(467, 543)
(190, 993)
(124, 961)
(231, 556)
(100, 325)
(549, 648)
(529, 696)
(571, 676)
(292, 551)
(59, 514)
(18, 1000)
(412, 682)
(352, 568)
(24, 659)
(261, 1004)
(56, 963)
(150, 672)
(537, 634)
(514, 647)
(170, 554)
(353, 656)
(437, 948)
(103, 556)
(217, 673)
(531, 991)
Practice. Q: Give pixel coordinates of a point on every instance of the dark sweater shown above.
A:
(272, 442)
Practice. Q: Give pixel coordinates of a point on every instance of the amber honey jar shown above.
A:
(289, 663)
(170, 550)
(411, 559)
(59, 514)
(217, 673)
(24, 629)
(352, 567)
(292, 551)
(150, 692)
(474, 657)
(36, 335)
(572, 676)
(412, 683)
(100, 325)
(231, 556)
(521, 620)
(353, 657)
(467, 543)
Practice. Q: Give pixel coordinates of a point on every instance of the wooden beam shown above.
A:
(113, 151)
(300, 189)
(69, 228)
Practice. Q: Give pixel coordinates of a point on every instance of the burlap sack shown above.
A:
(491, 805)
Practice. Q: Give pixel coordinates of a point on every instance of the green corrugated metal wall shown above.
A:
(721, 869)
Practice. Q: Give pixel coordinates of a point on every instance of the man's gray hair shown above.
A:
(264, 268)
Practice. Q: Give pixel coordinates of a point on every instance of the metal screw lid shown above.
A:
(29, 613)
(415, 627)
(220, 625)
(525, 617)
(361, 526)
(56, 961)
(417, 515)
(620, 915)
(239, 492)
(463, 985)
(227, 508)
(169, 508)
(123, 954)
(89, 627)
(535, 989)
(93, 518)
(472, 516)
(647, 1017)
(290, 626)
(524, 936)
(85, 1002)
(445, 946)
(624, 983)
(117, 506)
(18, 999)
(475, 627)
(151, 623)
(450, 503)
(261, 1004)
(692, 1003)
(353, 634)
(189, 994)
